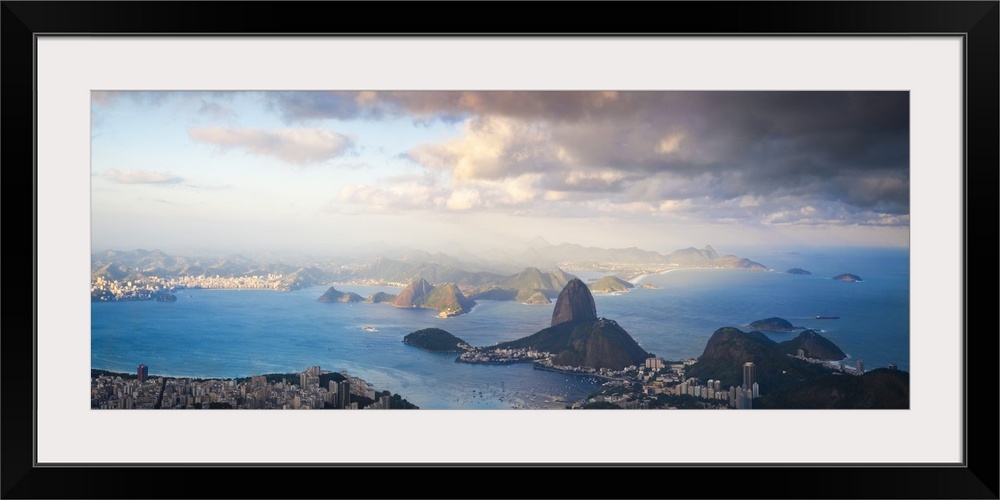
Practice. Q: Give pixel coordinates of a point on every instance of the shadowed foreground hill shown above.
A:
(788, 382)
(729, 348)
(881, 388)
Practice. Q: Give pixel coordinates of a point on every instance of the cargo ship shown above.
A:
(827, 317)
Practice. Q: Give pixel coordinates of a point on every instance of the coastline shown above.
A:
(536, 366)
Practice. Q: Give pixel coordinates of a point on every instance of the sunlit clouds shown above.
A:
(297, 146)
(687, 161)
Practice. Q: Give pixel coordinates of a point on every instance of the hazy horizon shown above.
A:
(340, 172)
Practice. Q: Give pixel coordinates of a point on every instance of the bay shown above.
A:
(238, 333)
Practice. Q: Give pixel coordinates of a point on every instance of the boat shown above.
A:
(827, 317)
(368, 328)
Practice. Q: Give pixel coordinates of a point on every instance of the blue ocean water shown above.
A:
(237, 333)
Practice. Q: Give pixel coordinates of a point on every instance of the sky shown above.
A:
(335, 172)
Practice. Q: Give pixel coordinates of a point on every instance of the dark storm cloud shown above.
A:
(814, 149)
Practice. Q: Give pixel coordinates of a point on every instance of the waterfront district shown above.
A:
(799, 373)
(312, 389)
(656, 384)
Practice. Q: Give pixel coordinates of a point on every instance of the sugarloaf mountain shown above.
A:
(578, 337)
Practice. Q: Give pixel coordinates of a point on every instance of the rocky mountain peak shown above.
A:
(575, 303)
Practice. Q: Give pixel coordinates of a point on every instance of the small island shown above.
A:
(436, 340)
(610, 284)
(772, 325)
(446, 298)
(334, 295)
(797, 270)
(649, 286)
(848, 277)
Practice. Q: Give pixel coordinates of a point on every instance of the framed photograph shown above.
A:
(500, 189)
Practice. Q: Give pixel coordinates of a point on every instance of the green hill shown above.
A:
(494, 293)
(334, 295)
(536, 297)
(531, 278)
(813, 345)
(530, 286)
(610, 284)
(435, 340)
(772, 325)
(729, 348)
(405, 272)
(379, 297)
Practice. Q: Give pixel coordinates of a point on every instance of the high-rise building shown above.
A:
(344, 396)
(859, 365)
(654, 363)
(143, 373)
(756, 390)
(749, 375)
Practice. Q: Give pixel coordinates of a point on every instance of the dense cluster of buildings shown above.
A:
(657, 376)
(149, 287)
(490, 356)
(305, 392)
(660, 377)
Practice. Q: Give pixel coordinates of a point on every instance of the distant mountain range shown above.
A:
(472, 274)
(137, 264)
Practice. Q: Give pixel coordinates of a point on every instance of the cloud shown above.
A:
(463, 199)
(363, 198)
(141, 177)
(760, 157)
(215, 111)
(297, 146)
(491, 148)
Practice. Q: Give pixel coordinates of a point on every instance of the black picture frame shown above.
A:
(978, 23)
